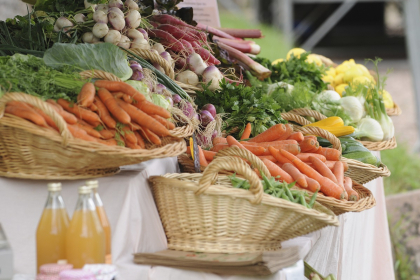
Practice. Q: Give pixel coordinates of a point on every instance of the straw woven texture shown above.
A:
(203, 213)
(188, 88)
(156, 58)
(396, 111)
(33, 152)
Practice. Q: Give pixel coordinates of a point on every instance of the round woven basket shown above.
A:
(358, 171)
(373, 146)
(32, 152)
(396, 111)
(204, 213)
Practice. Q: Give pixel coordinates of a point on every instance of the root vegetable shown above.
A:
(116, 20)
(102, 7)
(62, 23)
(167, 40)
(176, 98)
(187, 77)
(145, 34)
(188, 110)
(140, 44)
(116, 3)
(167, 57)
(134, 34)
(159, 47)
(88, 5)
(100, 16)
(113, 37)
(99, 30)
(116, 10)
(160, 89)
(196, 64)
(131, 4)
(205, 117)
(124, 42)
(210, 108)
(135, 66)
(88, 37)
(176, 32)
(133, 19)
(213, 75)
(80, 18)
(137, 76)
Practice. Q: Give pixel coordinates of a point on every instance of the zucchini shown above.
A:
(365, 157)
(354, 148)
(323, 142)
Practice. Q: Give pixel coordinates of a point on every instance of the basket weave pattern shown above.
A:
(156, 58)
(226, 220)
(396, 111)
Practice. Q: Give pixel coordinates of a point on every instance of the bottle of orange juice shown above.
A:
(102, 217)
(51, 231)
(85, 238)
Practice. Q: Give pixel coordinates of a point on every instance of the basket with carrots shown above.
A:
(105, 129)
(220, 198)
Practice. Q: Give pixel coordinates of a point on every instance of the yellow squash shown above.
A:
(334, 125)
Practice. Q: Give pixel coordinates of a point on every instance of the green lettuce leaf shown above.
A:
(106, 57)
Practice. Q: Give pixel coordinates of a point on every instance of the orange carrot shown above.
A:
(140, 140)
(247, 131)
(89, 130)
(93, 108)
(77, 132)
(202, 158)
(104, 113)
(86, 95)
(209, 155)
(308, 145)
(298, 136)
(143, 119)
(25, 112)
(270, 158)
(330, 154)
(169, 125)
(79, 112)
(258, 151)
(291, 148)
(109, 142)
(287, 133)
(118, 95)
(338, 172)
(296, 174)
(128, 135)
(219, 147)
(273, 143)
(134, 126)
(305, 157)
(218, 140)
(323, 169)
(107, 133)
(150, 136)
(313, 137)
(133, 146)
(313, 185)
(127, 98)
(113, 107)
(47, 118)
(278, 156)
(69, 118)
(275, 171)
(353, 195)
(271, 134)
(121, 86)
(152, 109)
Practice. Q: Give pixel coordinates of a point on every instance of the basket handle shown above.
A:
(234, 164)
(245, 154)
(308, 113)
(313, 130)
(44, 106)
(156, 58)
(99, 74)
(291, 117)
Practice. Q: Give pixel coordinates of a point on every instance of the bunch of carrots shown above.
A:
(292, 157)
(107, 112)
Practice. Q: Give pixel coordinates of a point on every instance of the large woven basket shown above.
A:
(358, 171)
(204, 213)
(373, 146)
(396, 111)
(32, 152)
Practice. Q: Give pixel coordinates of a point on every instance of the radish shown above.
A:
(187, 77)
(145, 34)
(167, 40)
(213, 75)
(205, 117)
(100, 16)
(130, 4)
(116, 10)
(116, 3)
(210, 108)
(100, 30)
(159, 47)
(124, 42)
(88, 5)
(102, 7)
(176, 98)
(176, 32)
(116, 20)
(88, 37)
(187, 45)
(80, 18)
(196, 64)
(137, 76)
(133, 19)
(62, 23)
(134, 34)
(140, 44)
(113, 37)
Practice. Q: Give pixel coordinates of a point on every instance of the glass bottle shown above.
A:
(85, 238)
(52, 227)
(103, 218)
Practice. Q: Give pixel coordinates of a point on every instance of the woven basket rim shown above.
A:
(395, 111)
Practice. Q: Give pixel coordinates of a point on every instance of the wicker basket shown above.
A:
(396, 111)
(203, 213)
(32, 152)
(373, 146)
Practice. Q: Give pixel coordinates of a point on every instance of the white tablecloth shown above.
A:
(359, 246)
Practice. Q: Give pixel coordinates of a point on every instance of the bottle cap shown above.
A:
(54, 187)
(92, 183)
(54, 268)
(84, 190)
(77, 274)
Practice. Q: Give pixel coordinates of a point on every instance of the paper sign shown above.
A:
(205, 11)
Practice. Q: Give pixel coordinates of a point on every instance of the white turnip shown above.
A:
(134, 34)
(62, 23)
(87, 5)
(131, 4)
(124, 42)
(113, 37)
(100, 30)
(213, 75)
(116, 20)
(196, 64)
(176, 98)
(102, 7)
(159, 47)
(133, 19)
(79, 18)
(116, 3)
(116, 10)
(88, 37)
(100, 17)
(187, 77)
(140, 44)
(145, 35)
(160, 89)
(137, 76)
(135, 66)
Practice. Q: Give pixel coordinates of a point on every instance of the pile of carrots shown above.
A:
(292, 157)
(114, 114)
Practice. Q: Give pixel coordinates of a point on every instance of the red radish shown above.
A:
(243, 47)
(168, 19)
(176, 32)
(207, 56)
(214, 31)
(187, 46)
(167, 40)
(242, 33)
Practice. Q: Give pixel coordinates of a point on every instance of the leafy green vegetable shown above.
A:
(242, 104)
(140, 87)
(106, 57)
(29, 74)
(160, 100)
(299, 97)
